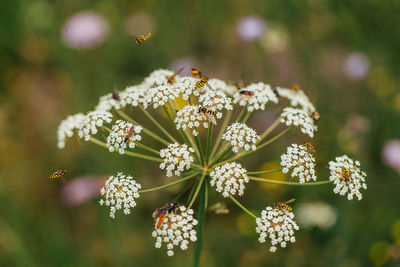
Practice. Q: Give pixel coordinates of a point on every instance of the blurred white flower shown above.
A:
(123, 136)
(241, 137)
(356, 66)
(297, 98)
(317, 214)
(251, 28)
(391, 154)
(300, 118)
(91, 121)
(177, 158)
(84, 30)
(67, 127)
(229, 179)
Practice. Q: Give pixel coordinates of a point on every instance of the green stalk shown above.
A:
(241, 114)
(198, 143)
(274, 138)
(167, 185)
(221, 132)
(246, 118)
(270, 181)
(242, 207)
(158, 125)
(197, 190)
(262, 172)
(147, 148)
(209, 141)
(221, 155)
(270, 128)
(201, 212)
(172, 120)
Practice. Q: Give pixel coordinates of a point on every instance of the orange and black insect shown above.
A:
(316, 116)
(58, 174)
(309, 147)
(142, 38)
(203, 81)
(115, 95)
(284, 205)
(196, 73)
(160, 213)
(345, 175)
(171, 78)
(210, 114)
(245, 92)
(129, 134)
(295, 87)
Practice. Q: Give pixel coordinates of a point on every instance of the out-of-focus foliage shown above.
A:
(344, 54)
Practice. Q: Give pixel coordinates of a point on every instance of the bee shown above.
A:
(115, 95)
(203, 81)
(160, 213)
(58, 174)
(316, 116)
(210, 114)
(196, 73)
(142, 38)
(248, 93)
(345, 175)
(309, 147)
(295, 87)
(284, 205)
(276, 91)
(171, 78)
(129, 134)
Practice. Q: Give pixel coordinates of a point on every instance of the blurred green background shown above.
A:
(344, 54)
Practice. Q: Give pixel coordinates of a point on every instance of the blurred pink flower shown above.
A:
(356, 66)
(84, 30)
(391, 154)
(81, 189)
(250, 28)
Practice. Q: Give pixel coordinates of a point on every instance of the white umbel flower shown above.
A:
(158, 96)
(262, 95)
(277, 225)
(300, 118)
(107, 102)
(216, 100)
(347, 177)
(157, 78)
(133, 95)
(297, 98)
(91, 121)
(120, 192)
(219, 85)
(177, 158)
(298, 158)
(241, 137)
(123, 136)
(67, 127)
(176, 230)
(189, 117)
(229, 179)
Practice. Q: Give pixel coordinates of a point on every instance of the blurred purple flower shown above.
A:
(84, 30)
(251, 28)
(81, 190)
(356, 66)
(187, 63)
(391, 154)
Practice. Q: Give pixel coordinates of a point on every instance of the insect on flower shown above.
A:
(316, 116)
(295, 87)
(345, 175)
(142, 38)
(171, 78)
(276, 91)
(58, 174)
(284, 205)
(247, 93)
(160, 213)
(209, 113)
(129, 134)
(115, 95)
(309, 147)
(196, 73)
(203, 81)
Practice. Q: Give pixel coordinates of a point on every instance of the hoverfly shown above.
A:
(142, 38)
(295, 87)
(345, 175)
(171, 78)
(115, 95)
(129, 134)
(58, 174)
(196, 73)
(309, 147)
(284, 205)
(247, 93)
(316, 116)
(160, 213)
(203, 81)
(209, 113)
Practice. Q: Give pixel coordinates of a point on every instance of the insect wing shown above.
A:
(160, 220)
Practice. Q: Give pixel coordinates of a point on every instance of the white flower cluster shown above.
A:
(159, 95)
(107, 102)
(219, 85)
(278, 225)
(229, 179)
(300, 118)
(67, 127)
(215, 100)
(123, 135)
(120, 192)
(297, 98)
(91, 121)
(241, 137)
(190, 117)
(177, 158)
(301, 160)
(262, 95)
(177, 229)
(347, 176)
(133, 95)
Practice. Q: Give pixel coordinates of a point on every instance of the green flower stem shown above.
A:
(129, 153)
(172, 120)
(270, 128)
(198, 143)
(167, 185)
(190, 173)
(241, 113)
(221, 131)
(270, 181)
(262, 172)
(242, 207)
(158, 125)
(145, 130)
(197, 190)
(201, 214)
(221, 155)
(147, 148)
(274, 138)
(246, 118)
(107, 129)
(209, 141)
